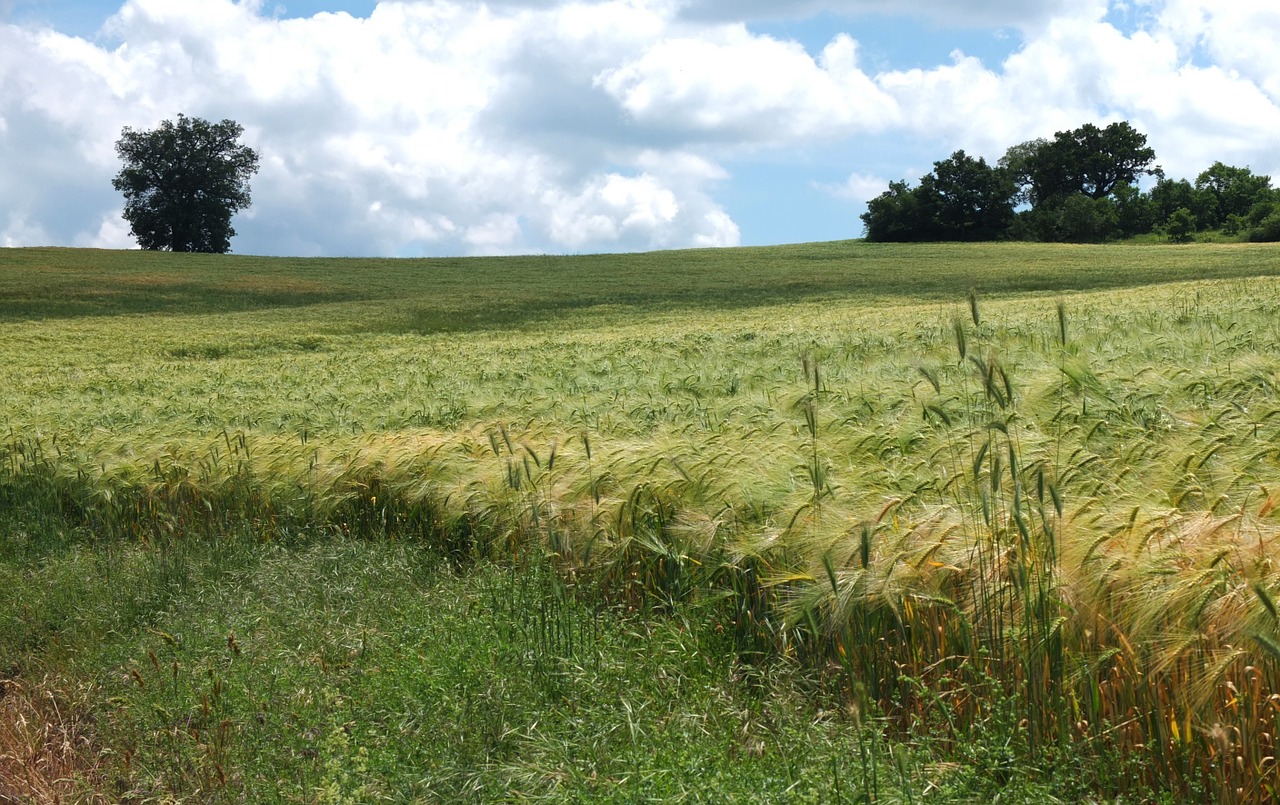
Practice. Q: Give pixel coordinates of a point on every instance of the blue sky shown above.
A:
(85, 17)
(445, 127)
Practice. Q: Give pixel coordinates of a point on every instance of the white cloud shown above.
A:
(637, 212)
(1081, 68)
(395, 134)
(499, 234)
(452, 126)
(19, 231)
(730, 86)
(113, 233)
(1239, 36)
(859, 187)
(1193, 114)
(1017, 13)
(962, 102)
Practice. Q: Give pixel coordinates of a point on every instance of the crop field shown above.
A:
(827, 522)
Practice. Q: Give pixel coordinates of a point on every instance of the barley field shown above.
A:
(901, 522)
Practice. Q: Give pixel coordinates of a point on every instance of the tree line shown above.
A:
(1079, 187)
(183, 181)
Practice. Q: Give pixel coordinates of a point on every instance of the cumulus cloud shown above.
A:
(859, 187)
(1017, 13)
(1238, 36)
(1082, 67)
(1193, 113)
(401, 133)
(637, 213)
(729, 85)
(453, 126)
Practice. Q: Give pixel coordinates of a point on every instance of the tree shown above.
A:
(1076, 218)
(1170, 195)
(1089, 161)
(1016, 162)
(1135, 213)
(1264, 222)
(896, 216)
(962, 199)
(1236, 190)
(968, 199)
(182, 183)
(1181, 226)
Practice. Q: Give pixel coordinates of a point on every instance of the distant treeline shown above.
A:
(1079, 187)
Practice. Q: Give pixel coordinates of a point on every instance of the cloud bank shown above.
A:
(434, 127)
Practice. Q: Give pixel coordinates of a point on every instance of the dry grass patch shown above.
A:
(47, 754)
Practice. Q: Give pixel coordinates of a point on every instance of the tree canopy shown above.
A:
(1081, 186)
(1088, 160)
(971, 200)
(183, 181)
(896, 216)
(1017, 163)
(961, 199)
(1235, 190)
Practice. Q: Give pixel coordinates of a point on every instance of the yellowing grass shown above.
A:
(941, 507)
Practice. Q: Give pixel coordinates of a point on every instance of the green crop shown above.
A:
(1021, 488)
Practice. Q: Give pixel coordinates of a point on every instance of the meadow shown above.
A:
(826, 522)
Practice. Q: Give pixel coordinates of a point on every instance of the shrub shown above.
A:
(1267, 230)
(1181, 226)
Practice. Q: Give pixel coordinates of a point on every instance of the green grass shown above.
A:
(332, 670)
(461, 295)
(1021, 541)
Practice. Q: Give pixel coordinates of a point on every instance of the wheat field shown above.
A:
(1013, 489)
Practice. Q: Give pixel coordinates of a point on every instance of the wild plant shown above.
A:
(1072, 518)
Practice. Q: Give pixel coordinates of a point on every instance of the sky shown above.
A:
(448, 127)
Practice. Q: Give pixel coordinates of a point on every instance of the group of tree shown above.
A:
(1082, 187)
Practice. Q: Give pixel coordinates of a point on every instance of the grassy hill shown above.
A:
(842, 520)
(490, 293)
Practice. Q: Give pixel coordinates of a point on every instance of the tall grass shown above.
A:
(1045, 518)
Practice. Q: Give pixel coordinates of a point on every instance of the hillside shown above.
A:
(464, 293)
(1000, 507)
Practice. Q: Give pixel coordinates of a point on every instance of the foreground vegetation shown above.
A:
(839, 526)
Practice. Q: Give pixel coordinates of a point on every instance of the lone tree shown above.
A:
(182, 183)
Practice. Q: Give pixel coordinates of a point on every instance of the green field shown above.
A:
(827, 522)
